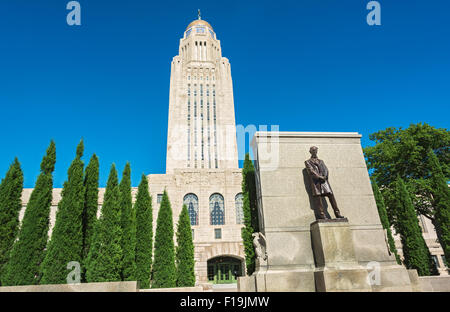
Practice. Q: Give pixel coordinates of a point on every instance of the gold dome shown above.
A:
(199, 22)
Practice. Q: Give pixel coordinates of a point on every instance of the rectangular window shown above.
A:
(443, 260)
(192, 234)
(159, 198)
(218, 233)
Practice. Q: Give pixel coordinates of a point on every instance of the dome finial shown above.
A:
(199, 14)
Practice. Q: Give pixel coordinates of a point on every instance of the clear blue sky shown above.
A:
(107, 81)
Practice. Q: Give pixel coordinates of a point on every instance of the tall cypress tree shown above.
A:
(105, 254)
(185, 251)
(250, 213)
(144, 233)
(164, 270)
(415, 251)
(89, 216)
(10, 205)
(128, 227)
(28, 251)
(66, 243)
(384, 219)
(441, 196)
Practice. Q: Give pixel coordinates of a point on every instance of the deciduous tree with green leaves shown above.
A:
(10, 205)
(164, 270)
(144, 233)
(104, 263)
(66, 243)
(185, 251)
(403, 152)
(28, 251)
(128, 227)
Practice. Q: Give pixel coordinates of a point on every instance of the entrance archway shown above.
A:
(224, 270)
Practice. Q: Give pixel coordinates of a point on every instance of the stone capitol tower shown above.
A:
(202, 130)
(202, 168)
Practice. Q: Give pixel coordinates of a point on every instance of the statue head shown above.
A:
(313, 150)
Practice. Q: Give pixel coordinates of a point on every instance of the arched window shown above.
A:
(217, 209)
(239, 202)
(191, 202)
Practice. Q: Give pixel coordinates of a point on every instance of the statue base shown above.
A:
(337, 268)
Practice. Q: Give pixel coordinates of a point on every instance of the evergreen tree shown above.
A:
(105, 254)
(250, 213)
(415, 251)
(185, 251)
(10, 205)
(89, 216)
(128, 227)
(441, 204)
(164, 270)
(66, 242)
(384, 219)
(28, 251)
(144, 234)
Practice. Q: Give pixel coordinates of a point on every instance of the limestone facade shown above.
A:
(204, 183)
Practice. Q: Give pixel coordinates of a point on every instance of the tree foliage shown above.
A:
(441, 201)
(403, 152)
(105, 254)
(89, 216)
(384, 219)
(28, 251)
(10, 205)
(67, 239)
(164, 270)
(185, 251)
(144, 233)
(250, 213)
(415, 250)
(128, 220)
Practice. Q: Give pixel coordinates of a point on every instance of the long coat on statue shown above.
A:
(316, 168)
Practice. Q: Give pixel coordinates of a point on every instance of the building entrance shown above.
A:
(224, 270)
